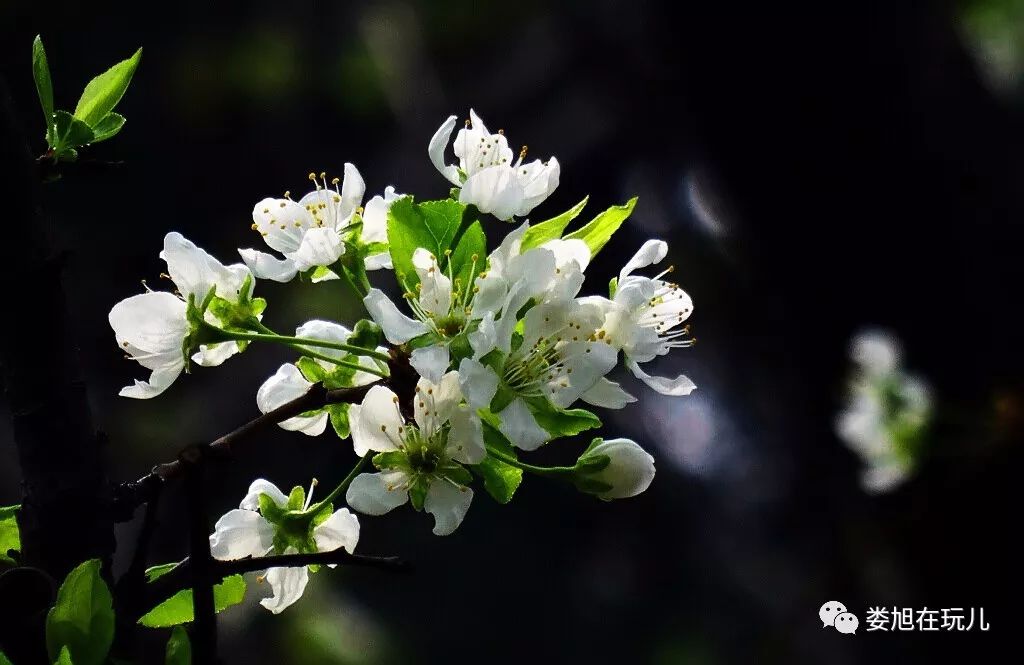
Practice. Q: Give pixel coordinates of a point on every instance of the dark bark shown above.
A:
(66, 509)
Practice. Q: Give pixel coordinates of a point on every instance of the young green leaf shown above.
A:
(501, 480)
(108, 127)
(82, 619)
(177, 609)
(4, 660)
(64, 658)
(179, 648)
(600, 229)
(473, 243)
(10, 537)
(552, 229)
(69, 132)
(431, 225)
(44, 85)
(104, 92)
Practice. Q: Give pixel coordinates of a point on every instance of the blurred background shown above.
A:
(815, 169)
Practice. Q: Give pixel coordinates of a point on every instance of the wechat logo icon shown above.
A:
(834, 614)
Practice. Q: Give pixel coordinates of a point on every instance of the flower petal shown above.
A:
(607, 395)
(287, 585)
(321, 246)
(430, 362)
(378, 493)
(520, 427)
(375, 217)
(397, 327)
(376, 422)
(435, 290)
(438, 142)
(494, 190)
(651, 252)
(680, 385)
(284, 386)
(268, 266)
(448, 504)
(262, 486)
(212, 355)
(282, 223)
(434, 402)
(353, 187)
(239, 534)
(339, 530)
(466, 438)
(477, 382)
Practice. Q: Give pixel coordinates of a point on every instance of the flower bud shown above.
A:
(614, 469)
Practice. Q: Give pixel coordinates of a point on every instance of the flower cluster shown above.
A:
(482, 357)
(887, 412)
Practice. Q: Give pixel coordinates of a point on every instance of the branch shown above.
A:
(130, 495)
(180, 577)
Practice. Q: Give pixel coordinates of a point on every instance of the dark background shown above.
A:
(815, 170)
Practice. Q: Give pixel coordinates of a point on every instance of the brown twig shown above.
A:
(130, 495)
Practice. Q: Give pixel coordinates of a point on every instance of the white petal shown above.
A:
(378, 261)
(375, 217)
(397, 327)
(651, 252)
(448, 504)
(537, 180)
(378, 493)
(262, 486)
(212, 355)
(569, 250)
(607, 395)
(287, 585)
(630, 470)
(339, 530)
(438, 142)
(326, 331)
(520, 427)
(195, 272)
(352, 190)
(485, 338)
(466, 438)
(284, 386)
(268, 266)
(582, 364)
(282, 223)
(435, 402)
(239, 534)
(153, 323)
(431, 362)
(376, 422)
(493, 190)
(477, 382)
(664, 385)
(321, 246)
(159, 381)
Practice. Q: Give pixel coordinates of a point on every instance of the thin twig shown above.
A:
(130, 495)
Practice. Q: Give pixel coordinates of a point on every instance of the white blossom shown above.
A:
(629, 471)
(486, 173)
(246, 532)
(151, 327)
(427, 467)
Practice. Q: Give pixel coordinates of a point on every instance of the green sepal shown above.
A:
(592, 463)
(599, 231)
(503, 396)
(296, 498)
(270, 510)
(561, 422)
(338, 415)
(551, 229)
(613, 287)
(103, 93)
(418, 491)
(64, 658)
(501, 480)
(82, 618)
(456, 473)
(591, 486)
(393, 459)
(366, 334)
(311, 370)
(10, 536)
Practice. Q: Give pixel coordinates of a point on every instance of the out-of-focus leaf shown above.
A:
(82, 619)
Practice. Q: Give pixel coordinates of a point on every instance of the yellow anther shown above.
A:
(335, 181)
(311, 176)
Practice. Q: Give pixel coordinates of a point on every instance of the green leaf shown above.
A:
(156, 572)
(431, 225)
(177, 609)
(10, 537)
(82, 619)
(338, 414)
(552, 229)
(393, 459)
(64, 658)
(179, 648)
(69, 132)
(473, 243)
(103, 93)
(418, 492)
(561, 422)
(4, 660)
(44, 85)
(501, 480)
(600, 230)
(109, 126)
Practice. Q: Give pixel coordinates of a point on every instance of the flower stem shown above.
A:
(304, 341)
(343, 485)
(546, 471)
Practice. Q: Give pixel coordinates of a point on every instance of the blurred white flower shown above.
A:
(486, 174)
(886, 414)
